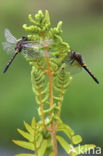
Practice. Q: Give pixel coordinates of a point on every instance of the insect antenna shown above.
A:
(7, 66)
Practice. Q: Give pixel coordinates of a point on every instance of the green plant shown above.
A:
(50, 80)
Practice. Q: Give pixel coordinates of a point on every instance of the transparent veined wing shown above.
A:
(72, 66)
(8, 47)
(38, 44)
(35, 49)
(9, 37)
(33, 53)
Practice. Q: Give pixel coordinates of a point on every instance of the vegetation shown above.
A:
(50, 80)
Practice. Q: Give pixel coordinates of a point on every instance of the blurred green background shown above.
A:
(83, 103)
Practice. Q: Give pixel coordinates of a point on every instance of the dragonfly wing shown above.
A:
(31, 44)
(33, 53)
(35, 49)
(73, 66)
(37, 44)
(9, 37)
(8, 47)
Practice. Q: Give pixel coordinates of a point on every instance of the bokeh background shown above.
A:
(83, 103)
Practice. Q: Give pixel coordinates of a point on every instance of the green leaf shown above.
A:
(59, 27)
(35, 90)
(43, 147)
(45, 90)
(33, 123)
(64, 144)
(47, 17)
(31, 19)
(26, 135)
(82, 149)
(77, 139)
(25, 154)
(51, 154)
(39, 140)
(39, 15)
(66, 129)
(45, 98)
(24, 144)
(29, 128)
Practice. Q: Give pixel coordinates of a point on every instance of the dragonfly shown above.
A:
(30, 49)
(75, 59)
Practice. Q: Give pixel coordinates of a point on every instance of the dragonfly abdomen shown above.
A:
(7, 66)
(94, 78)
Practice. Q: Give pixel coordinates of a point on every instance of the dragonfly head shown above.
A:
(24, 38)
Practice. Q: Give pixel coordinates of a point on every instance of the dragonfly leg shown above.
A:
(72, 61)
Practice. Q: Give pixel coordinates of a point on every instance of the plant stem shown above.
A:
(35, 146)
(53, 130)
(54, 142)
(41, 67)
(41, 106)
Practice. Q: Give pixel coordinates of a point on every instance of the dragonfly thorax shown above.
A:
(76, 56)
(19, 44)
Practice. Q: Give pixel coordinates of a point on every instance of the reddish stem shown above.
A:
(53, 132)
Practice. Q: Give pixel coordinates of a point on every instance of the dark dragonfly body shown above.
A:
(77, 57)
(30, 49)
(35, 50)
(19, 45)
(7, 66)
(18, 49)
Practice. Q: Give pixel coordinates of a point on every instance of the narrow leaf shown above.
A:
(31, 19)
(64, 144)
(45, 90)
(25, 154)
(39, 140)
(26, 135)
(42, 149)
(24, 144)
(33, 123)
(45, 98)
(66, 129)
(77, 139)
(51, 154)
(47, 17)
(29, 128)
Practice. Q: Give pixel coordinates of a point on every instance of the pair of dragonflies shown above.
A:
(35, 50)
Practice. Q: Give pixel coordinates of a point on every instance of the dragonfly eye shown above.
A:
(24, 38)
